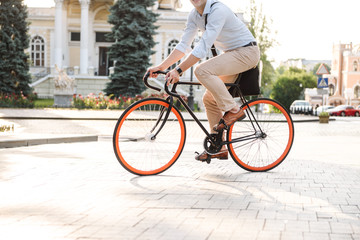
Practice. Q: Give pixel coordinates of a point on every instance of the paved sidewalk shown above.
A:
(46, 126)
(43, 126)
(80, 191)
(74, 114)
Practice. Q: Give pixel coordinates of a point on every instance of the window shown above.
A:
(355, 66)
(331, 89)
(357, 92)
(171, 46)
(75, 36)
(37, 52)
(102, 37)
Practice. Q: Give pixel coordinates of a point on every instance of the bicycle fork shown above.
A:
(162, 112)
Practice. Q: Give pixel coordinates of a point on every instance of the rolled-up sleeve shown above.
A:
(216, 21)
(188, 36)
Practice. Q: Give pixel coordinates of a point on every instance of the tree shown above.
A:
(290, 85)
(14, 66)
(133, 33)
(259, 27)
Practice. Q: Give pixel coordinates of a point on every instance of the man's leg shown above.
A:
(213, 112)
(217, 98)
(228, 63)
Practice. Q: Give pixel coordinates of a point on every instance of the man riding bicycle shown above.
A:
(223, 28)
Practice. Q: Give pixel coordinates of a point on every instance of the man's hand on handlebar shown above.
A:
(172, 77)
(151, 71)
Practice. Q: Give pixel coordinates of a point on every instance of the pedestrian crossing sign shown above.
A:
(323, 82)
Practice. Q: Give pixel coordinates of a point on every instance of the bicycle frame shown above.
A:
(173, 94)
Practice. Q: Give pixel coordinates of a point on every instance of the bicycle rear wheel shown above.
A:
(139, 145)
(263, 144)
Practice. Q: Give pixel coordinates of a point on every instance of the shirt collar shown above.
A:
(208, 6)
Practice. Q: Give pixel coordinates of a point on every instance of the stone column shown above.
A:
(84, 42)
(58, 33)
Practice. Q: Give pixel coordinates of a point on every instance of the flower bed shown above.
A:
(101, 101)
(17, 101)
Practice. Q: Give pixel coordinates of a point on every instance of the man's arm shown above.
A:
(182, 48)
(174, 57)
(173, 76)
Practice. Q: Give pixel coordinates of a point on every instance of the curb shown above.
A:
(59, 118)
(186, 118)
(51, 140)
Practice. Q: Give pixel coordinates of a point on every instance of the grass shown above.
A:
(43, 103)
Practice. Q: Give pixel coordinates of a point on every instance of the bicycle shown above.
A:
(150, 134)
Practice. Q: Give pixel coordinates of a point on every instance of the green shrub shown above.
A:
(324, 114)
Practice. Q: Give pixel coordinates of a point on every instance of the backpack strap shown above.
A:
(213, 49)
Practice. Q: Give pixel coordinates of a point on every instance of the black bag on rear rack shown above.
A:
(248, 82)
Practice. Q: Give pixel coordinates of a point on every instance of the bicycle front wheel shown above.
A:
(144, 142)
(264, 138)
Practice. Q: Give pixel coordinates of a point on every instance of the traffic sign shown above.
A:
(323, 82)
(322, 70)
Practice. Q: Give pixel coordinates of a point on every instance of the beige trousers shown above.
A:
(213, 73)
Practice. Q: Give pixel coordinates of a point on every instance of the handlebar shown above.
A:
(173, 91)
(166, 88)
(147, 83)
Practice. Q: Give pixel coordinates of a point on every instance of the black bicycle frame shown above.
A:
(173, 94)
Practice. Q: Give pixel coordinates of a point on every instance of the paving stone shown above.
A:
(291, 236)
(339, 227)
(317, 236)
(340, 236)
(297, 226)
(323, 227)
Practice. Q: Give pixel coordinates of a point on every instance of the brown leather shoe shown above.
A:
(229, 118)
(205, 156)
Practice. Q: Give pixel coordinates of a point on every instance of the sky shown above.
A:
(303, 28)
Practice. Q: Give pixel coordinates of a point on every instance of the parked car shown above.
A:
(301, 106)
(344, 110)
(322, 109)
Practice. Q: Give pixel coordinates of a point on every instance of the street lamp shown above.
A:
(191, 96)
(191, 89)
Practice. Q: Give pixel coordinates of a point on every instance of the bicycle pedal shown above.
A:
(208, 159)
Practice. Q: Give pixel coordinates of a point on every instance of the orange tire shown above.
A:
(265, 143)
(137, 146)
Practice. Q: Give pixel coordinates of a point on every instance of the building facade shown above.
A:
(344, 80)
(71, 36)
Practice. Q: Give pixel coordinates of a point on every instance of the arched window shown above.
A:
(357, 92)
(38, 52)
(331, 89)
(171, 46)
(355, 66)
